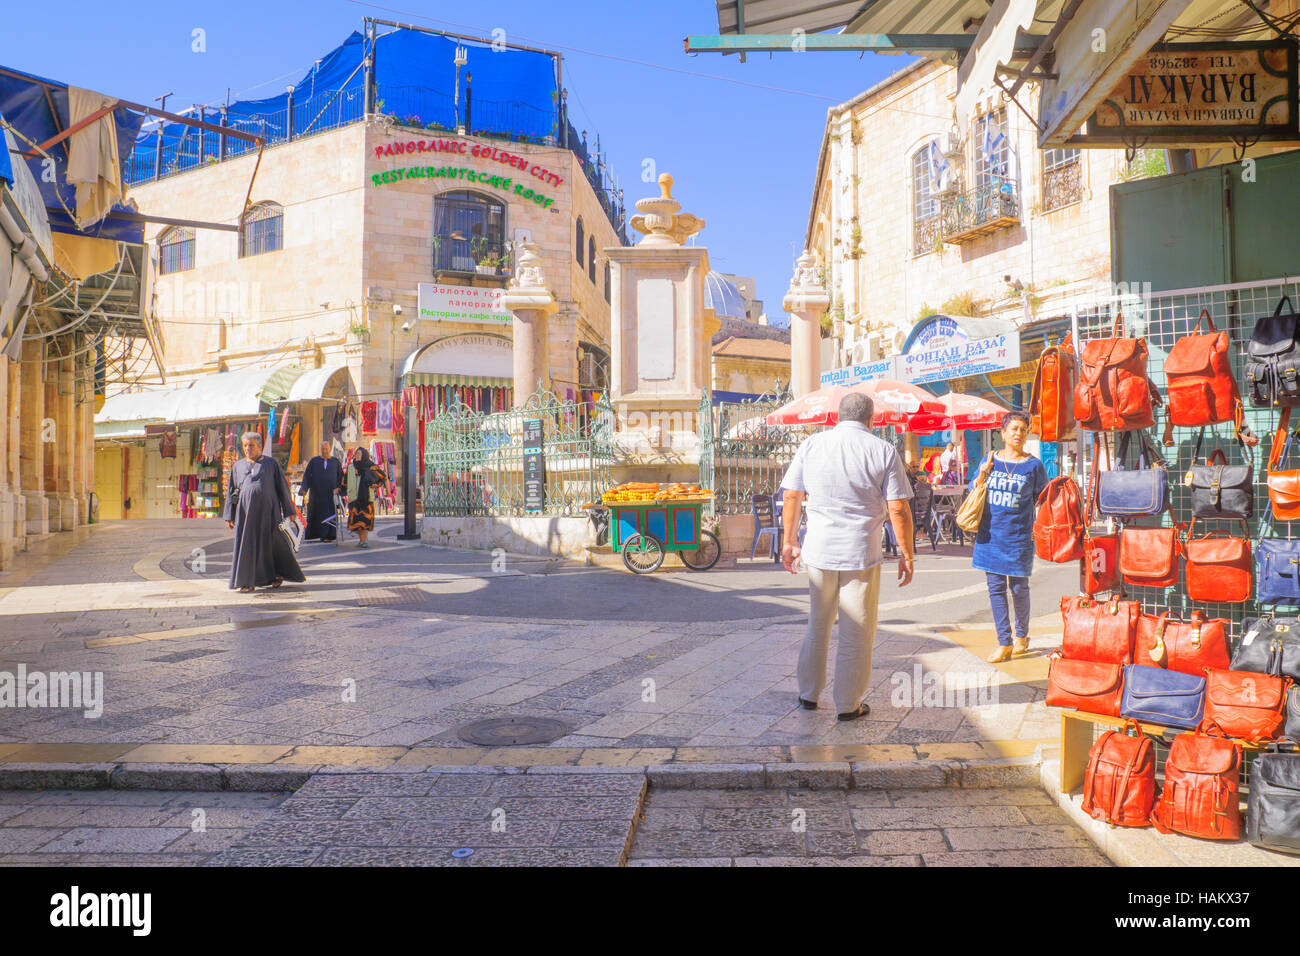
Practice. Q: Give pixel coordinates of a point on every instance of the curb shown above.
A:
(279, 778)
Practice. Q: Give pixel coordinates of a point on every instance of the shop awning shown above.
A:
(436, 378)
(226, 395)
(328, 382)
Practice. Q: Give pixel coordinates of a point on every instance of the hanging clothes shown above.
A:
(270, 422)
(399, 420)
(293, 442)
(384, 416)
(369, 413)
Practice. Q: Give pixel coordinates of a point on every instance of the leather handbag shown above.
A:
(1101, 631)
(1222, 490)
(1198, 373)
(1185, 646)
(1132, 494)
(1268, 645)
(1148, 557)
(1277, 569)
(1273, 804)
(1217, 567)
(1283, 486)
(1085, 685)
(1051, 415)
(1100, 560)
(1244, 705)
(1113, 392)
(1291, 720)
(1058, 523)
(1201, 796)
(971, 513)
(1273, 359)
(1167, 698)
(1119, 785)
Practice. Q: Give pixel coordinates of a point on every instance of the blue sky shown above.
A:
(743, 156)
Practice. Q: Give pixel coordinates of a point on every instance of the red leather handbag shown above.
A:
(1148, 557)
(1217, 569)
(1100, 631)
(1202, 792)
(1243, 704)
(1100, 551)
(1085, 685)
(1114, 392)
(1186, 646)
(1202, 390)
(1058, 524)
(1120, 783)
(1051, 416)
(1283, 486)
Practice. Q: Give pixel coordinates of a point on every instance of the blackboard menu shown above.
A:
(534, 467)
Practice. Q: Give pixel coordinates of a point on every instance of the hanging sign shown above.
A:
(1185, 93)
(459, 303)
(942, 351)
(853, 374)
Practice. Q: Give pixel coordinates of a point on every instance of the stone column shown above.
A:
(31, 441)
(83, 459)
(533, 305)
(806, 300)
(10, 465)
(65, 441)
(7, 413)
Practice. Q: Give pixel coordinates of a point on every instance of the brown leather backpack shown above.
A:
(1202, 390)
(1058, 524)
(1120, 784)
(1114, 392)
(1051, 417)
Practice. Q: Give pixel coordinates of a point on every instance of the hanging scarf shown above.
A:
(369, 412)
(384, 418)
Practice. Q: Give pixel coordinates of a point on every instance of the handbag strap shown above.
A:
(1207, 319)
(1286, 300)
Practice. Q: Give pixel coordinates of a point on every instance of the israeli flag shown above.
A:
(995, 141)
(938, 164)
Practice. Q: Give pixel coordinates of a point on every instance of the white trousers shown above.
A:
(855, 595)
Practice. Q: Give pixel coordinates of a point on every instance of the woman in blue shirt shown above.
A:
(1004, 544)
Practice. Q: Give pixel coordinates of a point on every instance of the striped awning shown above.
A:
(437, 378)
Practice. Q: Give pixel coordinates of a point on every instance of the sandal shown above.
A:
(862, 711)
(245, 590)
(277, 582)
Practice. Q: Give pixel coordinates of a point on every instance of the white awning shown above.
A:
(473, 358)
(316, 383)
(225, 395)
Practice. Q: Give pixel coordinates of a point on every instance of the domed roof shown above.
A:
(723, 297)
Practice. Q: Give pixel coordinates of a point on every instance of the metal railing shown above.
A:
(979, 210)
(1062, 185)
(474, 461)
(741, 455)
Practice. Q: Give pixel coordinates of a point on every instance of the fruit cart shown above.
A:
(647, 520)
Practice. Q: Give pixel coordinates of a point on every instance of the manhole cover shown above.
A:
(512, 731)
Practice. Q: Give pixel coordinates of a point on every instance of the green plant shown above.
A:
(1144, 165)
(960, 303)
(358, 330)
(925, 312)
(492, 261)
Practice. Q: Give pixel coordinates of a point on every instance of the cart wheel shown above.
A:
(642, 553)
(705, 556)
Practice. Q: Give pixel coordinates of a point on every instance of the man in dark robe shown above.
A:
(323, 475)
(257, 499)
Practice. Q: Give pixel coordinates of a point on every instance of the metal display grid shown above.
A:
(1162, 319)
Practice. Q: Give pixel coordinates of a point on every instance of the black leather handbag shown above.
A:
(1273, 359)
(1222, 490)
(1268, 645)
(1273, 807)
(1291, 719)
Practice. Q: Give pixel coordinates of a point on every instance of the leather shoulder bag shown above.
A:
(1101, 631)
(1051, 413)
(1277, 568)
(1244, 705)
(1291, 722)
(1119, 785)
(1113, 392)
(1133, 494)
(1217, 567)
(1273, 804)
(1100, 560)
(1269, 645)
(1084, 685)
(1201, 796)
(1186, 646)
(1220, 490)
(1148, 557)
(1273, 359)
(1167, 698)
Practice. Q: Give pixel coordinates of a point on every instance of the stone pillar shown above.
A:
(31, 440)
(533, 305)
(65, 441)
(83, 461)
(10, 465)
(7, 414)
(806, 300)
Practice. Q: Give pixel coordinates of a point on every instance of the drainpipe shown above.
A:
(24, 245)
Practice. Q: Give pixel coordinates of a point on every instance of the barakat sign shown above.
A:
(1201, 92)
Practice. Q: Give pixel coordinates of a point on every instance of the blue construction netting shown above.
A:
(513, 95)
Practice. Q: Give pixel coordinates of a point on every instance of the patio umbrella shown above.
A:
(972, 413)
(755, 428)
(895, 402)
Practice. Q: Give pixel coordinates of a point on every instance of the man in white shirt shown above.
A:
(852, 481)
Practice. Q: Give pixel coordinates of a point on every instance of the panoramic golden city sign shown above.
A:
(1184, 93)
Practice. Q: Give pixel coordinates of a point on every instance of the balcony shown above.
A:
(461, 261)
(979, 212)
(1062, 185)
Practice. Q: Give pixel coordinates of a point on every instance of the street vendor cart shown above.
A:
(643, 527)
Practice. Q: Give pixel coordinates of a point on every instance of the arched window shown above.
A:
(261, 230)
(175, 250)
(591, 259)
(607, 280)
(577, 251)
(469, 229)
(925, 208)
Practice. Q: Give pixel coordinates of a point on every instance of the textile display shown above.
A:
(369, 414)
(384, 419)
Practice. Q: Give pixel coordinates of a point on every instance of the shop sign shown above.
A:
(942, 351)
(465, 147)
(534, 467)
(853, 374)
(458, 303)
(1180, 93)
(503, 183)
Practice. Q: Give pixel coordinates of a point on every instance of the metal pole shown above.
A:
(289, 116)
(411, 473)
(157, 146)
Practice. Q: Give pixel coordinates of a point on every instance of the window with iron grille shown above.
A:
(261, 230)
(468, 227)
(925, 208)
(591, 259)
(992, 149)
(1062, 177)
(175, 250)
(582, 239)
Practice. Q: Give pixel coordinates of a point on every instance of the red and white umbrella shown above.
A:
(970, 412)
(895, 403)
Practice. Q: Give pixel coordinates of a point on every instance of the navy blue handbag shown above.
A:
(1165, 697)
(1277, 568)
(1131, 494)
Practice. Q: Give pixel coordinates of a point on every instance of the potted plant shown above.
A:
(488, 265)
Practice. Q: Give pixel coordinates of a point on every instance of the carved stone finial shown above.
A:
(661, 221)
(805, 273)
(665, 186)
(528, 275)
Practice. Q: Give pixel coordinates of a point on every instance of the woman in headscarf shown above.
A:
(361, 476)
(323, 475)
(256, 501)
